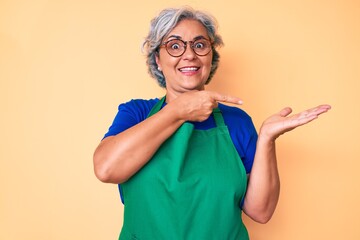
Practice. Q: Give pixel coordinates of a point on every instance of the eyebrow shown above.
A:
(178, 37)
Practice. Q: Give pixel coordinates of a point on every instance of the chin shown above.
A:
(193, 88)
(194, 85)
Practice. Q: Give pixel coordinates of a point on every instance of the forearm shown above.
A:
(119, 157)
(264, 185)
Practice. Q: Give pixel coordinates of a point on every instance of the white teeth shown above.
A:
(189, 69)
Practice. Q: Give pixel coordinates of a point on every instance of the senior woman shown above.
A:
(188, 166)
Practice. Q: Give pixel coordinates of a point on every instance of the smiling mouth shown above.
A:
(188, 69)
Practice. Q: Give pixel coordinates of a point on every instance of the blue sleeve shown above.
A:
(130, 114)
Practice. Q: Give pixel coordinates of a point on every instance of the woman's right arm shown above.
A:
(119, 157)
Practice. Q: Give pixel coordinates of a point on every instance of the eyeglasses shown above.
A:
(177, 47)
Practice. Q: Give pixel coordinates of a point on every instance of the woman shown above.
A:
(185, 162)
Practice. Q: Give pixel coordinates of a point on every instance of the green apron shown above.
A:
(191, 189)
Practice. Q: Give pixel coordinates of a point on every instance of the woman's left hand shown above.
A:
(281, 122)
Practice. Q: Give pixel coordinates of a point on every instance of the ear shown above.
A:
(158, 62)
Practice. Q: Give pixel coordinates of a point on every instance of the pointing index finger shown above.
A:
(226, 98)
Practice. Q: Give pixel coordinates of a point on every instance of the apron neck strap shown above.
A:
(219, 120)
(157, 106)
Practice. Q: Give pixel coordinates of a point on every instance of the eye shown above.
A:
(174, 46)
(199, 45)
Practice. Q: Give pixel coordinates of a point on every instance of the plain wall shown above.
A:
(66, 65)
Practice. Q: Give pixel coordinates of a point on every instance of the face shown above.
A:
(189, 71)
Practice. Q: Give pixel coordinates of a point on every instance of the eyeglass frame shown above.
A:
(186, 44)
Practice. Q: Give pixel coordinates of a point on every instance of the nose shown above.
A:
(189, 53)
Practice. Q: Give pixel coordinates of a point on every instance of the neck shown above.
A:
(172, 95)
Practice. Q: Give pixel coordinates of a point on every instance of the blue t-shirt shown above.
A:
(239, 123)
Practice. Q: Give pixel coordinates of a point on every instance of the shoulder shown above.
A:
(139, 103)
(238, 121)
(130, 113)
(139, 108)
(234, 113)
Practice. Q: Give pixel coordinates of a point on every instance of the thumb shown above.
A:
(285, 112)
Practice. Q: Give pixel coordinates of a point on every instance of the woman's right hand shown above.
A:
(197, 106)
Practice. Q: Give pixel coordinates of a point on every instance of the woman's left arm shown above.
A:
(264, 185)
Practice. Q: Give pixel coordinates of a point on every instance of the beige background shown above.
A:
(66, 65)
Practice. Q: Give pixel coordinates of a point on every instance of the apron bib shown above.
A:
(191, 189)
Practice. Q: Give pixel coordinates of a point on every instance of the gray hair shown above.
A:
(164, 23)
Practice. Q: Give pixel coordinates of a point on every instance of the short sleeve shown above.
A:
(129, 114)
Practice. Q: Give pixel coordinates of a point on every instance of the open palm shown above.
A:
(283, 122)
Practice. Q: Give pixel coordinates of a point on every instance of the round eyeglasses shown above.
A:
(177, 47)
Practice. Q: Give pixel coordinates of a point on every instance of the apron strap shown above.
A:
(157, 106)
(219, 120)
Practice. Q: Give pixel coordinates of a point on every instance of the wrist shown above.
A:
(173, 111)
(265, 138)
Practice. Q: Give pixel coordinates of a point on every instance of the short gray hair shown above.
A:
(164, 23)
